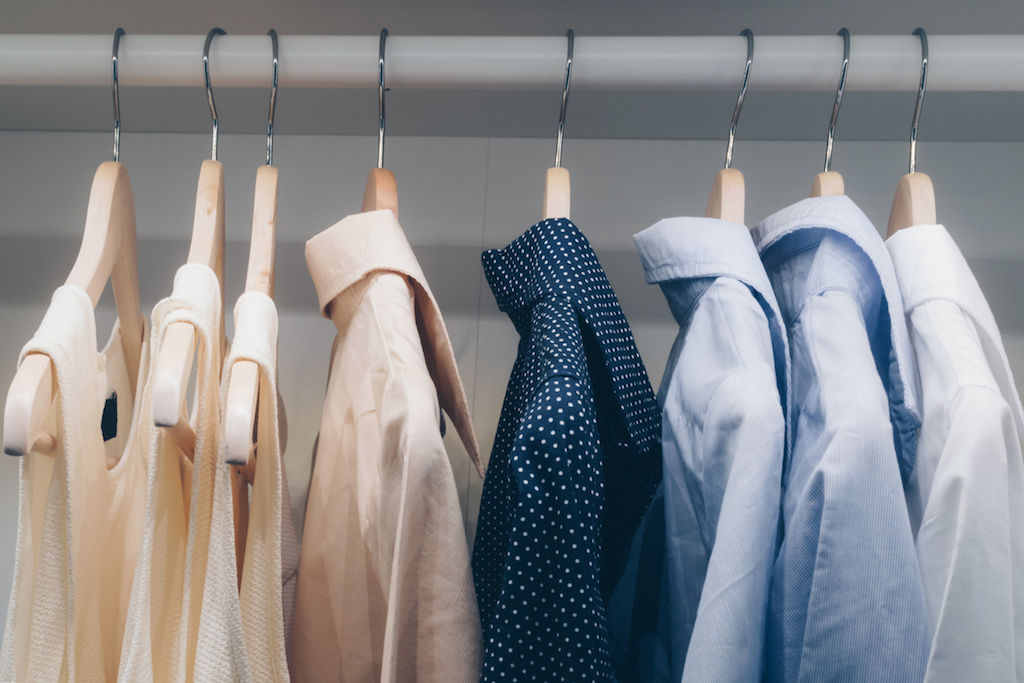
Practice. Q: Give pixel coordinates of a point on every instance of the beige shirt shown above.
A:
(385, 587)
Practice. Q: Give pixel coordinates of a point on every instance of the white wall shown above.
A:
(458, 196)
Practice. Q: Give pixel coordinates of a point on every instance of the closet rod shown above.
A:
(891, 62)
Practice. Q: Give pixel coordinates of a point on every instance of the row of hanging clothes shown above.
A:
(829, 484)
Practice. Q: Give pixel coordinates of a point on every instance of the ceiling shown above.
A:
(692, 115)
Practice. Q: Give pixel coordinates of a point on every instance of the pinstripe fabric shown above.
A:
(846, 600)
(966, 495)
(723, 442)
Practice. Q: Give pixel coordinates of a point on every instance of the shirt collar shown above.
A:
(931, 267)
(686, 248)
(806, 223)
(363, 244)
(676, 252)
(553, 259)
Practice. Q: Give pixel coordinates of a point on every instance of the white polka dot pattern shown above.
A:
(575, 463)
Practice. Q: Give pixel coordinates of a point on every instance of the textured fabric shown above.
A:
(385, 588)
(966, 495)
(264, 571)
(79, 509)
(723, 444)
(846, 598)
(184, 619)
(574, 465)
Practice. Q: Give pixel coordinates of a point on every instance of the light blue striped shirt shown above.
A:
(847, 602)
(694, 600)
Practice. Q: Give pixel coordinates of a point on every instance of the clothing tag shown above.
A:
(108, 423)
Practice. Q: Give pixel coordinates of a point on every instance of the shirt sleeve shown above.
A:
(549, 619)
(969, 550)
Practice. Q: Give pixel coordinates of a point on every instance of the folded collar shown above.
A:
(803, 224)
(684, 248)
(931, 267)
(366, 243)
(553, 259)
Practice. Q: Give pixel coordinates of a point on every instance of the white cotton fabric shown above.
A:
(184, 620)
(270, 567)
(78, 521)
(966, 495)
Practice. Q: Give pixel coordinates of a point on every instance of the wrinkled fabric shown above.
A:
(847, 601)
(575, 463)
(385, 590)
(80, 508)
(694, 604)
(270, 554)
(966, 495)
(183, 622)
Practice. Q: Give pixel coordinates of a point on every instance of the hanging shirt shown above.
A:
(184, 621)
(385, 587)
(846, 598)
(575, 463)
(966, 495)
(79, 507)
(723, 399)
(271, 550)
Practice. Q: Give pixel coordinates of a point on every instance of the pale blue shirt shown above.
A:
(694, 602)
(847, 602)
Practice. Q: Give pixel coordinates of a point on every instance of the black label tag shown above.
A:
(108, 422)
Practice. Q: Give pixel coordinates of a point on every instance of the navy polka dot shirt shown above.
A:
(575, 463)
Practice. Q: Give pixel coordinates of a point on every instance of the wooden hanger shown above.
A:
(830, 183)
(557, 194)
(173, 366)
(381, 190)
(108, 251)
(727, 198)
(914, 202)
(243, 386)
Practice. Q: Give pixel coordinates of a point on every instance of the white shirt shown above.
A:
(966, 495)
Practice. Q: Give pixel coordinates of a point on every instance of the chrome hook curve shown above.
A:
(739, 99)
(923, 35)
(380, 97)
(209, 89)
(845, 33)
(117, 97)
(571, 38)
(273, 101)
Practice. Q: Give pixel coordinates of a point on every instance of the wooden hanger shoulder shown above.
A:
(244, 383)
(913, 204)
(381, 191)
(727, 198)
(174, 364)
(828, 184)
(108, 251)
(557, 194)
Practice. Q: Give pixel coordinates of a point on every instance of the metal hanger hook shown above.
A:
(380, 97)
(845, 33)
(923, 35)
(571, 38)
(117, 97)
(273, 101)
(739, 99)
(209, 89)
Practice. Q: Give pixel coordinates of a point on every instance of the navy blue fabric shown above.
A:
(576, 461)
